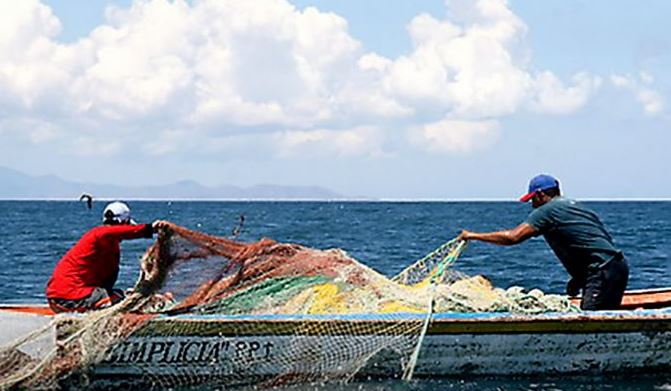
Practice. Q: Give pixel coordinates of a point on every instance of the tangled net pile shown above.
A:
(287, 314)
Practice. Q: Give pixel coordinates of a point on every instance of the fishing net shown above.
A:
(212, 311)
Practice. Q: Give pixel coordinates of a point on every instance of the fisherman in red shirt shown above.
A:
(84, 278)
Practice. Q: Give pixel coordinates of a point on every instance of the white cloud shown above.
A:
(554, 98)
(214, 68)
(373, 61)
(44, 133)
(34, 69)
(475, 65)
(646, 77)
(167, 142)
(652, 101)
(455, 136)
(360, 141)
(25, 22)
(95, 147)
(34, 131)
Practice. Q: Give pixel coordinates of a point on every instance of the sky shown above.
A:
(388, 99)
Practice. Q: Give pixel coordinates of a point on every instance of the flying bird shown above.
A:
(89, 199)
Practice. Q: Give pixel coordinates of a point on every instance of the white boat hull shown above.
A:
(455, 344)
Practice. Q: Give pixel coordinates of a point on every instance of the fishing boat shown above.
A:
(635, 338)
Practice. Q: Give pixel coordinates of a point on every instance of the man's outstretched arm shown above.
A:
(504, 238)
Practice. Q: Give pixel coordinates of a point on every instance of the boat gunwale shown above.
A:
(645, 314)
(404, 323)
(658, 314)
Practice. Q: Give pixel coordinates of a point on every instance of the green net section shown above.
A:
(211, 311)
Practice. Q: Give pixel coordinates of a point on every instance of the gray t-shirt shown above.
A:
(575, 234)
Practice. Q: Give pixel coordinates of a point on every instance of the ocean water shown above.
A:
(387, 236)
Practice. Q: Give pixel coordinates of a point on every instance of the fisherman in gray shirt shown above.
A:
(577, 237)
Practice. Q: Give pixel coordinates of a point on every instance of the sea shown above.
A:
(387, 236)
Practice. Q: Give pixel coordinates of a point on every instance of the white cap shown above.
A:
(119, 212)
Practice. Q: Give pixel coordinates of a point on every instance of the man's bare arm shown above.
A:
(504, 238)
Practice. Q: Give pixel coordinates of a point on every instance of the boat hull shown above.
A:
(455, 345)
(267, 346)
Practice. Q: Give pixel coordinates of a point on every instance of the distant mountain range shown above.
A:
(17, 185)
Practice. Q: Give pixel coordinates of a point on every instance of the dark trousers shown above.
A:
(98, 299)
(605, 285)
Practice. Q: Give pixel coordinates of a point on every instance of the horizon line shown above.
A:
(344, 199)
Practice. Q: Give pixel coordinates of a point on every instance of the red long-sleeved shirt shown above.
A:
(93, 261)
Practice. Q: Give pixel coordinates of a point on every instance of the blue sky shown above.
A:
(390, 99)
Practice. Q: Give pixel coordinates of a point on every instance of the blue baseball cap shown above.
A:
(537, 183)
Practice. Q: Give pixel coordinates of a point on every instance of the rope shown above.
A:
(448, 260)
(412, 363)
(447, 254)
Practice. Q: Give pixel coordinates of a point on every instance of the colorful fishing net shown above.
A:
(268, 314)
